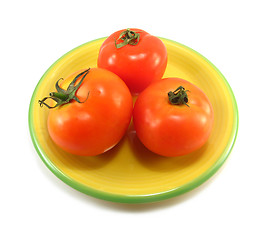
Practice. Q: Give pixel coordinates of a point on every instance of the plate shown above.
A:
(129, 173)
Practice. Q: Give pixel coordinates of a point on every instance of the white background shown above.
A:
(34, 204)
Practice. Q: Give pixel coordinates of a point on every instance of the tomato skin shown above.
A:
(137, 65)
(172, 130)
(98, 124)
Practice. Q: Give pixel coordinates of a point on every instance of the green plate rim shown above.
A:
(136, 198)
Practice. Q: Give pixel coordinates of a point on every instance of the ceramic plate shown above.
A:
(129, 172)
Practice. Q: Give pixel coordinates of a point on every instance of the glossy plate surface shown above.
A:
(129, 172)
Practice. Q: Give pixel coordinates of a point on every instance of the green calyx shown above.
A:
(179, 96)
(128, 37)
(65, 96)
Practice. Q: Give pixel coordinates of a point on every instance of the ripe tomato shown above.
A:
(134, 55)
(173, 117)
(97, 115)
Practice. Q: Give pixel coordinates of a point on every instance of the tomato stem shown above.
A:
(65, 96)
(128, 37)
(61, 96)
(178, 97)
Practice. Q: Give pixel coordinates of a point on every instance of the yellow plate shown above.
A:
(129, 172)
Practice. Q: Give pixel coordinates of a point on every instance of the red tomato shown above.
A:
(173, 117)
(96, 118)
(139, 58)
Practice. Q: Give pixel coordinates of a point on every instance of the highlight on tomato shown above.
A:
(173, 117)
(136, 56)
(92, 111)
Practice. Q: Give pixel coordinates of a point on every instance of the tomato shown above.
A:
(134, 55)
(173, 117)
(95, 117)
